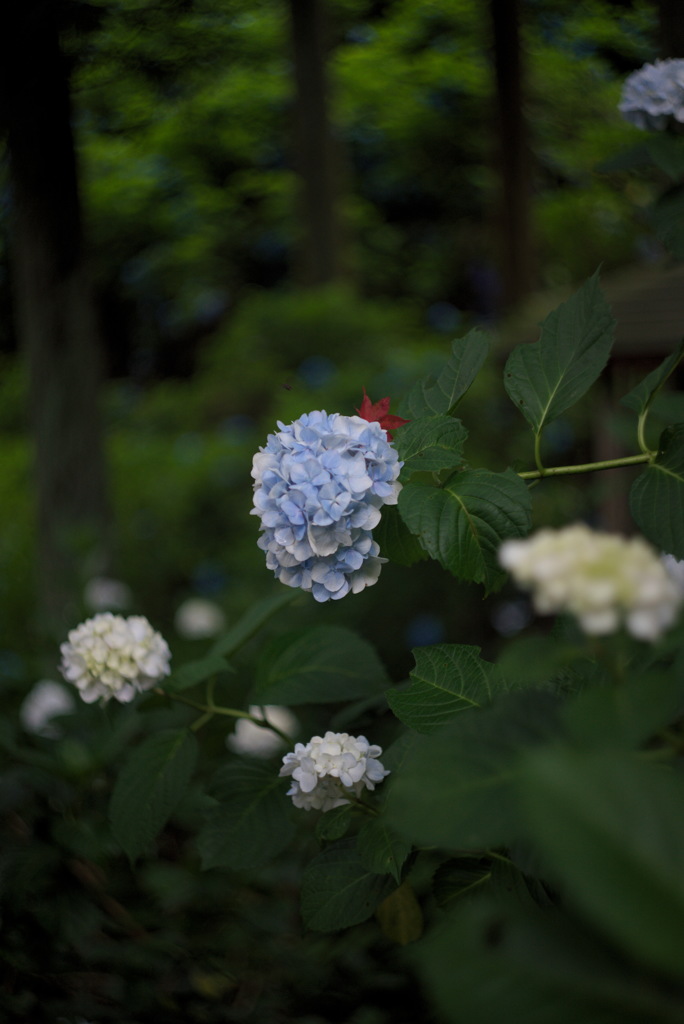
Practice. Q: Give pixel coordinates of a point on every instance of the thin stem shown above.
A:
(586, 467)
(215, 709)
(365, 807)
(537, 455)
(641, 434)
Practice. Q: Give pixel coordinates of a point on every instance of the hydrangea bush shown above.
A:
(518, 818)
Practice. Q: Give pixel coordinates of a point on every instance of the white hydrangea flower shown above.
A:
(109, 656)
(46, 701)
(257, 741)
(329, 769)
(604, 580)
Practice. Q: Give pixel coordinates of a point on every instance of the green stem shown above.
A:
(214, 709)
(587, 467)
(537, 455)
(641, 434)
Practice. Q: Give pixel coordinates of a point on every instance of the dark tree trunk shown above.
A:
(54, 311)
(512, 156)
(316, 157)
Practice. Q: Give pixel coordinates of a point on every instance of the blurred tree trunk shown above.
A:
(54, 310)
(316, 155)
(671, 28)
(512, 156)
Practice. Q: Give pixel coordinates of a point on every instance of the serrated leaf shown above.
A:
(322, 665)
(252, 621)
(640, 397)
(656, 499)
(338, 891)
(381, 850)
(610, 828)
(195, 672)
(459, 877)
(251, 823)
(395, 540)
(440, 394)
(400, 916)
(335, 823)
(149, 787)
(431, 443)
(463, 523)
(455, 789)
(447, 679)
(546, 377)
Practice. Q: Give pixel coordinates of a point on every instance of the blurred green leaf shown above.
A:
(325, 664)
(546, 377)
(463, 523)
(339, 891)
(335, 823)
(640, 397)
(252, 621)
(439, 395)
(459, 877)
(469, 767)
(447, 679)
(656, 499)
(381, 850)
(194, 672)
(149, 786)
(611, 830)
(399, 915)
(431, 444)
(251, 823)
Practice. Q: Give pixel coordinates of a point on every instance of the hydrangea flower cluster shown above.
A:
(604, 580)
(319, 484)
(329, 769)
(110, 656)
(654, 94)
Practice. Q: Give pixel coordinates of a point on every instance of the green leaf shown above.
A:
(149, 787)
(456, 787)
(665, 151)
(447, 679)
(338, 891)
(439, 395)
(546, 377)
(640, 397)
(251, 823)
(463, 523)
(459, 877)
(335, 823)
(611, 830)
(431, 443)
(666, 216)
(395, 540)
(252, 621)
(399, 915)
(194, 672)
(322, 665)
(381, 850)
(656, 499)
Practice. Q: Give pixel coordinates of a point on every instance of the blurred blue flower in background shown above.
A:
(654, 94)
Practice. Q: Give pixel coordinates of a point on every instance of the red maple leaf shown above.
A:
(378, 412)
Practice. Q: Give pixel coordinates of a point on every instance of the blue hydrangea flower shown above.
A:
(654, 94)
(319, 485)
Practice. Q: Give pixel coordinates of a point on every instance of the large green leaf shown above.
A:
(322, 665)
(656, 499)
(251, 822)
(667, 216)
(640, 397)
(395, 540)
(455, 789)
(440, 394)
(463, 523)
(252, 621)
(381, 850)
(611, 830)
(447, 679)
(194, 672)
(339, 891)
(431, 443)
(149, 787)
(546, 377)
